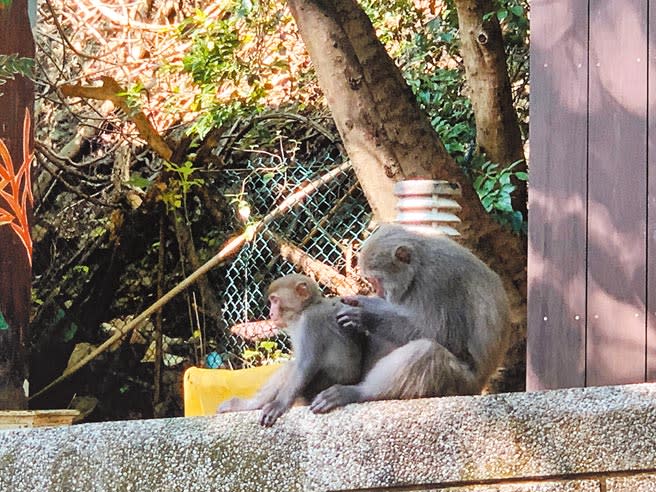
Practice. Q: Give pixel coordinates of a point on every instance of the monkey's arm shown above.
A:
(306, 366)
(374, 316)
(298, 379)
(267, 393)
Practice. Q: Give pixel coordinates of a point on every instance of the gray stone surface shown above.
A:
(637, 483)
(430, 442)
(562, 486)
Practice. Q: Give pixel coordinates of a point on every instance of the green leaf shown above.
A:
(59, 315)
(69, 332)
(487, 202)
(139, 181)
(521, 175)
(98, 231)
(516, 221)
(447, 37)
(504, 205)
(517, 10)
(268, 345)
(487, 187)
(502, 14)
(3, 323)
(250, 354)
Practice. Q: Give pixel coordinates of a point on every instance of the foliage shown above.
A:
(494, 187)
(427, 50)
(513, 15)
(265, 352)
(12, 65)
(132, 96)
(226, 56)
(395, 21)
(175, 193)
(228, 63)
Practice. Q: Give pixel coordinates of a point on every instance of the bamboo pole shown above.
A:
(230, 248)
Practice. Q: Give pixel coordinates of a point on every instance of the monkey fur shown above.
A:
(324, 354)
(445, 310)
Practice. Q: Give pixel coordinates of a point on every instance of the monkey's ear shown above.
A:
(302, 290)
(403, 254)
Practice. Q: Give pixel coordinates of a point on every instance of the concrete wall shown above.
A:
(577, 440)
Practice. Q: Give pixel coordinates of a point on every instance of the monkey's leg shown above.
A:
(266, 394)
(421, 368)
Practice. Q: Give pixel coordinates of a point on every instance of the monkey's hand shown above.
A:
(271, 411)
(334, 397)
(361, 313)
(350, 317)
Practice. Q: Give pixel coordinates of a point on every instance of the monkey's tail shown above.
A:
(419, 369)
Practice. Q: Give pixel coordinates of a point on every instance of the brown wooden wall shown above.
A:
(15, 257)
(592, 196)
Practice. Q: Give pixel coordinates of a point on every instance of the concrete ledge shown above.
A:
(556, 440)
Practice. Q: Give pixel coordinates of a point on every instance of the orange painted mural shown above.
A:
(16, 189)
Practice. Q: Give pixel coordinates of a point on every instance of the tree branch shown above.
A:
(110, 91)
(324, 274)
(230, 248)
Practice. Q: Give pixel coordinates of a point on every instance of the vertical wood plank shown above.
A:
(557, 194)
(617, 192)
(651, 202)
(15, 269)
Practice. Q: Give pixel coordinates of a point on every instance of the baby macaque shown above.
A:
(324, 354)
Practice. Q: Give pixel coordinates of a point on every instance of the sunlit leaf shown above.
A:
(517, 10)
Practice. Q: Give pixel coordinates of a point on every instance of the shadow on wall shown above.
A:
(591, 226)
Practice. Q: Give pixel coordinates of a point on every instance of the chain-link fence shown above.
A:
(326, 226)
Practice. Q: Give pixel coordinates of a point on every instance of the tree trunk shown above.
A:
(209, 299)
(387, 136)
(351, 101)
(15, 242)
(483, 54)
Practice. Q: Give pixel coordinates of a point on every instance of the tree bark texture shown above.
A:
(351, 101)
(386, 135)
(483, 54)
(15, 254)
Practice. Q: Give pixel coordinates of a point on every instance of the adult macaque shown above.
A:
(324, 354)
(446, 311)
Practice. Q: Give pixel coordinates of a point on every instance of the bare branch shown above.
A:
(230, 248)
(323, 273)
(110, 91)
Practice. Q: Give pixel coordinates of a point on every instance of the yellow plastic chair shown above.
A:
(205, 389)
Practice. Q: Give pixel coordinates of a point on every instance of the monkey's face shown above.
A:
(389, 264)
(288, 297)
(377, 284)
(275, 311)
(391, 281)
(283, 307)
